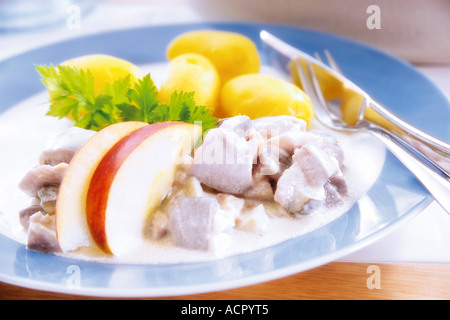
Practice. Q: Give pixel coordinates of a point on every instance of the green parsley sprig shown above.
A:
(72, 94)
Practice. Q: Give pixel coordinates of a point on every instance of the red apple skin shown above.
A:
(72, 230)
(98, 192)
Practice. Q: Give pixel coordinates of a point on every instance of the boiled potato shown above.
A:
(232, 54)
(259, 95)
(105, 69)
(351, 105)
(192, 72)
(332, 88)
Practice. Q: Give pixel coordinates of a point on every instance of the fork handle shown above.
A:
(436, 184)
(434, 150)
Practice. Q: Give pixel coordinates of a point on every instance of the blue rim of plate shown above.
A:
(394, 198)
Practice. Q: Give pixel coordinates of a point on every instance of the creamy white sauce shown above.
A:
(24, 130)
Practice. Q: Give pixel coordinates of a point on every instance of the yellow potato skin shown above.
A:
(351, 105)
(331, 87)
(259, 95)
(232, 54)
(192, 72)
(105, 69)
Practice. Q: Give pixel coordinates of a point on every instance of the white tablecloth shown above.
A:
(424, 238)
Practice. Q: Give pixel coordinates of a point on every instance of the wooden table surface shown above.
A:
(336, 281)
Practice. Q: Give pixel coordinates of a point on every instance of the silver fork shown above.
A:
(435, 183)
(437, 152)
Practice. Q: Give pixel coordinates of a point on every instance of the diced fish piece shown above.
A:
(332, 198)
(269, 160)
(294, 190)
(273, 161)
(41, 176)
(276, 153)
(224, 162)
(288, 141)
(303, 183)
(62, 146)
(339, 182)
(278, 125)
(42, 234)
(316, 164)
(261, 188)
(241, 125)
(292, 140)
(25, 214)
(191, 221)
(335, 189)
(48, 196)
(282, 134)
(48, 193)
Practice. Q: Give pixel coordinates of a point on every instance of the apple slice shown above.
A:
(71, 226)
(131, 181)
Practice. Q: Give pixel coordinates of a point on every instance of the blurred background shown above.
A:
(415, 30)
